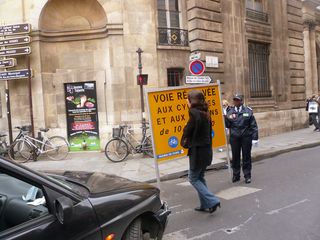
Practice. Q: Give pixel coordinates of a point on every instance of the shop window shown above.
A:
(170, 32)
(259, 70)
(175, 77)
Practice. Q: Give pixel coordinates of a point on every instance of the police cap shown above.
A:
(238, 96)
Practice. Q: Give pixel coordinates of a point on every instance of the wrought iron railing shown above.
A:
(173, 37)
(257, 15)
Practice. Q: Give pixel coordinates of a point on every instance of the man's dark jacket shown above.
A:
(198, 131)
(241, 124)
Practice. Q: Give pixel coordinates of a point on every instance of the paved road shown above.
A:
(282, 203)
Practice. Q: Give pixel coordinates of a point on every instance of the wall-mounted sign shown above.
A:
(15, 51)
(6, 63)
(15, 41)
(15, 29)
(194, 56)
(198, 79)
(18, 74)
(82, 116)
(212, 61)
(196, 67)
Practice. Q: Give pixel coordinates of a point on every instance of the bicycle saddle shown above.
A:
(3, 135)
(44, 129)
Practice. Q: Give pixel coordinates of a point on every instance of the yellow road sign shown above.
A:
(168, 111)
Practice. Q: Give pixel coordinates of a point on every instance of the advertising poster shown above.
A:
(168, 111)
(82, 116)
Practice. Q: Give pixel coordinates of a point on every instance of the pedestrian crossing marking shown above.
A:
(184, 184)
(236, 192)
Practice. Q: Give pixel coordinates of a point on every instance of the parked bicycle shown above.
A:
(124, 142)
(3, 145)
(26, 148)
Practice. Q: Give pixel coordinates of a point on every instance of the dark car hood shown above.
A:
(100, 182)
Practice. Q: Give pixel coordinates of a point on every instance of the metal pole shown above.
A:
(30, 95)
(227, 135)
(9, 113)
(139, 51)
(7, 92)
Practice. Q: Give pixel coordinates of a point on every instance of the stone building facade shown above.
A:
(268, 50)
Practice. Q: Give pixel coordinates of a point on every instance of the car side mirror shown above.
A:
(63, 209)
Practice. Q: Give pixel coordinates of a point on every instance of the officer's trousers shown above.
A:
(244, 145)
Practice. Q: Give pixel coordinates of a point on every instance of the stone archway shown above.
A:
(73, 48)
(72, 15)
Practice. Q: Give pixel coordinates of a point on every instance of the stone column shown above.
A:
(314, 59)
(308, 59)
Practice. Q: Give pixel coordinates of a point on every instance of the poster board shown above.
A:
(168, 111)
(82, 116)
(313, 107)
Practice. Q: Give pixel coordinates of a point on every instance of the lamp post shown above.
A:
(139, 51)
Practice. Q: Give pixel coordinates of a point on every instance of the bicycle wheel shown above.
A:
(20, 151)
(116, 150)
(3, 149)
(56, 148)
(147, 147)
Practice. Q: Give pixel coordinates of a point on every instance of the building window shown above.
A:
(254, 10)
(170, 32)
(175, 76)
(259, 70)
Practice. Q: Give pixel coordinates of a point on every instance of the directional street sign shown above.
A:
(18, 74)
(198, 79)
(196, 67)
(14, 41)
(6, 63)
(15, 29)
(15, 51)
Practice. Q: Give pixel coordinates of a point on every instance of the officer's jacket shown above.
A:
(241, 124)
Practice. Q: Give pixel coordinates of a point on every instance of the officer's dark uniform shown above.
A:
(243, 129)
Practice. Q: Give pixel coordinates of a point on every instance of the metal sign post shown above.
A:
(30, 95)
(139, 51)
(10, 30)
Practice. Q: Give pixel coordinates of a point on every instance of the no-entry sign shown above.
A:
(196, 67)
(169, 114)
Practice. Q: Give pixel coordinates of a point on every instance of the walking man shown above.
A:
(314, 111)
(243, 134)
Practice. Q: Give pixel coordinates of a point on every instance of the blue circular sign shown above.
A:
(173, 142)
(196, 67)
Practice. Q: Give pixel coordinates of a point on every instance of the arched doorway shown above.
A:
(73, 50)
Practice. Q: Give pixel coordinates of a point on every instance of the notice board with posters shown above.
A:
(169, 114)
(82, 116)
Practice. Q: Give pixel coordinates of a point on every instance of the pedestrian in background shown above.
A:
(198, 136)
(314, 111)
(225, 106)
(243, 134)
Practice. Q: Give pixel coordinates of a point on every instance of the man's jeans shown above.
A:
(207, 199)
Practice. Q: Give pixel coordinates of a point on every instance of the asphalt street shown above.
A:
(281, 203)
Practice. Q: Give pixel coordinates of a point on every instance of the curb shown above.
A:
(221, 166)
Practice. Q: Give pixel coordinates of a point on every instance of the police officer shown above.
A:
(243, 133)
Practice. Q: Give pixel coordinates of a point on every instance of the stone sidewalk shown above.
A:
(143, 169)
